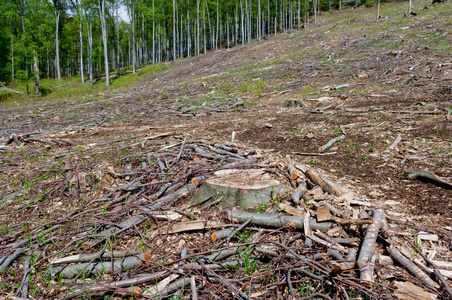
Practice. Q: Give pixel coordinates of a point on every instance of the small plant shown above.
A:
(417, 244)
(249, 265)
(305, 289)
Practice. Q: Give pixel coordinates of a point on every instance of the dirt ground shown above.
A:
(396, 79)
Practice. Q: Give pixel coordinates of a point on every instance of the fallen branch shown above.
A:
(428, 177)
(330, 143)
(126, 263)
(2, 87)
(10, 259)
(369, 245)
(274, 220)
(436, 271)
(89, 257)
(411, 267)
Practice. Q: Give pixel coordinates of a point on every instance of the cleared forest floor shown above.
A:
(394, 81)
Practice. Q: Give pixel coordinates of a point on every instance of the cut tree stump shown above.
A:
(242, 188)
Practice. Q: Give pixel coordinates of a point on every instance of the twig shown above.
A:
(330, 143)
(194, 292)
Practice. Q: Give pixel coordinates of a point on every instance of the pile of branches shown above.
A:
(145, 237)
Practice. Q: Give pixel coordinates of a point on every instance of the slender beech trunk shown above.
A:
(378, 12)
(242, 21)
(12, 54)
(227, 29)
(36, 70)
(81, 46)
(90, 49)
(268, 17)
(236, 24)
(117, 39)
(217, 27)
(174, 29)
(197, 30)
(188, 30)
(134, 55)
(204, 28)
(181, 35)
(57, 43)
(259, 19)
(298, 14)
(153, 33)
(104, 38)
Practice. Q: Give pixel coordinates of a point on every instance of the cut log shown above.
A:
(326, 187)
(242, 188)
(291, 168)
(369, 245)
(275, 221)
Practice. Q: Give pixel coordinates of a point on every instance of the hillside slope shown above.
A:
(386, 86)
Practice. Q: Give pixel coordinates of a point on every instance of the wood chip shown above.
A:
(422, 235)
(323, 214)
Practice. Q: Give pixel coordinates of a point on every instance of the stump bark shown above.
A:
(242, 188)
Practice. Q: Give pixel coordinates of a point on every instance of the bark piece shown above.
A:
(410, 291)
(193, 225)
(291, 210)
(275, 220)
(323, 214)
(242, 188)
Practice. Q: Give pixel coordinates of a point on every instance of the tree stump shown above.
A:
(242, 188)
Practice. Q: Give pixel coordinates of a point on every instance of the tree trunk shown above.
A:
(12, 54)
(259, 32)
(188, 30)
(242, 23)
(36, 70)
(57, 45)
(153, 33)
(134, 57)
(117, 39)
(174, 29)
(90, 49)
(378, 12)
(81, 48)
(204, 28)
(104, 38)
(197, 30)
(218, 25)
